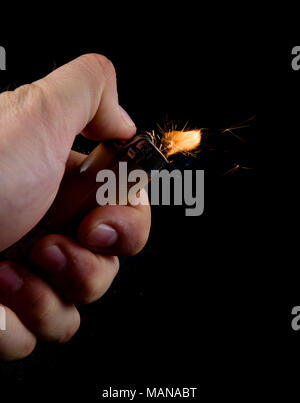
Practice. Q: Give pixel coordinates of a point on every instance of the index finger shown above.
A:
(86, 99)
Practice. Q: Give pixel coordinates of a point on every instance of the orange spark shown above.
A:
(176, 141)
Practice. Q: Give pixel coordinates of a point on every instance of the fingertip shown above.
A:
(126, 118)
(110, 122)
(16, 341)
(72, 330)
(132, 225)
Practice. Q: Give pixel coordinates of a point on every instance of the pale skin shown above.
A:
(38, 124)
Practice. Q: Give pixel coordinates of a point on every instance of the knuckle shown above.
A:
(114, 265)
(140, 234)
(45, 318)
(28, 347)
(135, 246)
(33, 100)
(93, 286)
(95, 60)
(18, 351)
(24, 100)
(42, 309)
(71, 329)
(90, 290)
(32, 108)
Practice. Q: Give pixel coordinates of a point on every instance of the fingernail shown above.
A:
(126, 117)
(102, 236)
(50, 258)
(9, 279)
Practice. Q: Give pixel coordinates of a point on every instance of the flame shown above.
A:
(177, 141)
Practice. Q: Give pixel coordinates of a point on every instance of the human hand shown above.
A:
(38, 124)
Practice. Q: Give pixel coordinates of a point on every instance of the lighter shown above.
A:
(77, 193)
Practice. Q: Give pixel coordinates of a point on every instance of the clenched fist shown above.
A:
(38, 124)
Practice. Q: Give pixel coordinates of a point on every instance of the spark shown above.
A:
(242, 125)
(180, 141)
(237, 167)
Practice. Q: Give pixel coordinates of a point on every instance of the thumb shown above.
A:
(80, 96)
(85, 92)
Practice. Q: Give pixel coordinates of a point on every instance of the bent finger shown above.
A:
(36, 304)
(79, 275)
(85, 91)
(116, 230)
(16, 341)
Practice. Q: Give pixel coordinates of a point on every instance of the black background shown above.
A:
(204, 304)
